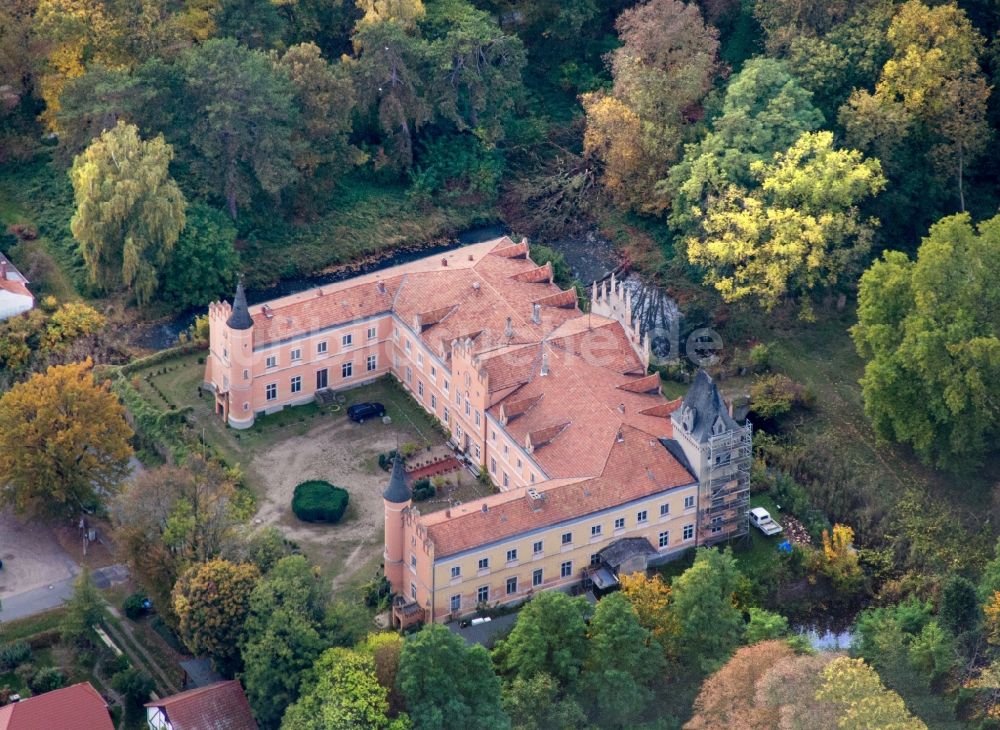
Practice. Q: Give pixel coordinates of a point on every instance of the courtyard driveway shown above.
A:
(32, 557)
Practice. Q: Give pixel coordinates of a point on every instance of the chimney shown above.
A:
(509, 329)
(3, 269)
(535, 499)
(621, 408)
(545, 364)
(444, 262)
(536, 313)
(475, 286)
(381, 287)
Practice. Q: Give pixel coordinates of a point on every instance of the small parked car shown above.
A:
(360, 411)
(761, 519)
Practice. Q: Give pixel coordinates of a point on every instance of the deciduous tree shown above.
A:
(64, 443)
(931, 91)
(212, 601)
(622, 664)
(550, 637)
(280, 638)
(538, 703)
(861, 700)
(448, 685)
(650, 599)
(129, 211)
(662, 71)
(244, 121)
(204, 262)
(798, 231)
(341, 692)
(931, 344)
(764, 112)
(710, 625)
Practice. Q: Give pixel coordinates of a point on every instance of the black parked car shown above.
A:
(360, 411)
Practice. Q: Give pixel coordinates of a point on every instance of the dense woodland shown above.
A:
(815, 179)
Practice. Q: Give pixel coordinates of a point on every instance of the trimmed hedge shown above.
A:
(319, 501)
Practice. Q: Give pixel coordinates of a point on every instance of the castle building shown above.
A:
(597, 473)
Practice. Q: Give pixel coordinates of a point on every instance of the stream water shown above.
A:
(590, 257)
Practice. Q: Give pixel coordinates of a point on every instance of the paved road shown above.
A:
(54, 595)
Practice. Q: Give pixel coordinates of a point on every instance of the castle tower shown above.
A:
(229, 365)
(395, 499)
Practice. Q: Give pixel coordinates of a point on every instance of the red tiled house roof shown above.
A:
(77, 707)
(217, 706)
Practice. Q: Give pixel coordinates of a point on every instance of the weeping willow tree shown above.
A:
(129, 211)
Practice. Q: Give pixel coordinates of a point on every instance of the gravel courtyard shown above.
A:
(31, 556)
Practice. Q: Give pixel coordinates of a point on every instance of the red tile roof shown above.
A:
(78, 707)
(638, 466)
(217, 706)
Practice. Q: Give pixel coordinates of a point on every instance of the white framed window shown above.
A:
(271, 391)
(271, 361)
(297, 384)
(296, 354)
(566, 569)
(641, 516)
(246, 374)
(476, 447)
(536, 577)
(493, 465)
(595, 530)
(446, 415)
(506, 449)
(434, 373)
(716, 525)
(620, 523)
(445, 388)
(321, 347)
(409, 374)
(406, 345)
(536, 547)
(420, 388)
(458, 398)
(595, 558)
(512, 585)
(484, 563)
(664, 538)
(434, 403)
(493, 435)
(506, 480)
(347, 340)
(512, 555)
(413, 591)
(532, 477)
(519, 463)
(456, 602)
(347, 370)
(225, 353)
(456, 571)
(477, 418)
(688, 532)
(371, 363)
(664, 510)
(372, 333)
(689, 502)
(413, 561)
(483, 594)
(567, 538)
(468, 406)
(420, 359)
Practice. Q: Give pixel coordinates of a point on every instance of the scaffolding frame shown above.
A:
(726, 498)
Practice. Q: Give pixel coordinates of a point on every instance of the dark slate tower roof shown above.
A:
(397, 491)
(703, 413)
(240, 317)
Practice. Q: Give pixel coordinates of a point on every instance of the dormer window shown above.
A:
(719, 427)
(687, 418)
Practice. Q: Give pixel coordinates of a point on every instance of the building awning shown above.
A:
(603, 579)
(625, 551)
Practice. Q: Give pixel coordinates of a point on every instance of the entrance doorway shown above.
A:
(321, 379)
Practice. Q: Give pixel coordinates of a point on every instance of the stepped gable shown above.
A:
(636, 467)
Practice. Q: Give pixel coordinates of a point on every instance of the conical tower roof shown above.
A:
(240, 318)
(397, 491)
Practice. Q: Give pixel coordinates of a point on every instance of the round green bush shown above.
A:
(46, 680)
(319, 501)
